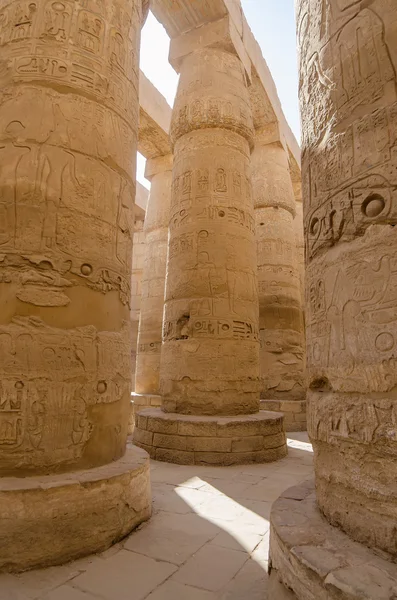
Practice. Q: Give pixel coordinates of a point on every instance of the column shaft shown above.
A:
(159, 171)
(210, 351)
(349, 107)
(280, 303)
(68, 138)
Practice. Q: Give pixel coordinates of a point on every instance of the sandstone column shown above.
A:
(159, 172)
(349, 108)
(68, 135)
(209, 362)
(281, 326)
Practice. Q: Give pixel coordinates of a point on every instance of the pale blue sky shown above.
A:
(273, 24)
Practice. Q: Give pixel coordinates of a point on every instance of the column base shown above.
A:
(202, 440)
(53, 519)
(139, 401)
(311, 559)
(294, 412)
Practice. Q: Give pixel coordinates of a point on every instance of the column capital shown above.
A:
(221, 34)
(160, 164)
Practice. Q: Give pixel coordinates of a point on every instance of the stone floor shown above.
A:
(208, 539)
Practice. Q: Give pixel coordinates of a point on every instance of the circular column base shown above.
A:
(53, 519)
(294, 412)
(139, 401)
(202, 440)
(311, 559)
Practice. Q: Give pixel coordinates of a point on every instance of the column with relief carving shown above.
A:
(281, 326)
(210, 357)
(147, 377)
(68, 138)
(348, 65)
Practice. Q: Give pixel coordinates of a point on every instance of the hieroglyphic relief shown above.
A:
(68, 136)
(49, 379)
(211, 310)
(352, 317)
(347, 65)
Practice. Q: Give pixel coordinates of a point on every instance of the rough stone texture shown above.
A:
(281, 326)
(52, 519)
(310, 559)
(200, 440)
(68, 139)
(159, 172)
(294, 412)
(66, 232)
(138, 402)
(141, 199)
(210, 341)
(348, 100)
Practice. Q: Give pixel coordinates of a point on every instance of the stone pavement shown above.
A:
(208, 539)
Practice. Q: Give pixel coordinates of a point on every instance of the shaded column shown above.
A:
(281, 325)
(147, 380)
(349, 104)
(68, 136)
(300, 237)
(210, 353)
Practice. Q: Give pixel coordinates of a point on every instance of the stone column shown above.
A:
(300, 237)
(210, 354)
(281, 327)
(68, 136)
(349, 109)
(147, 379)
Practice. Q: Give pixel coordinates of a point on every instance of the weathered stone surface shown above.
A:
(68, 139)
(210, 343)
(66, 232)
(294, 412)
(311, 560)
(183, 439)
(281, 327)
(147, 377)
(53, 519)
(348, 102)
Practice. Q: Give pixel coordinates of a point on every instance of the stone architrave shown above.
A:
(159, 173)
(210, 354)
(281, 325)
(348, 97)
(68, 136)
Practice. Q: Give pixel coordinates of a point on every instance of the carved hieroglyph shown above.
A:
(349, 109)
(210, 349)
(68, 134)
(281, 327)
(147, 378)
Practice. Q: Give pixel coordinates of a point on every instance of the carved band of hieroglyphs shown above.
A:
(185, 328)
(227, 214)
(152, 348)
(211, 183)
(212, 112)
(100, 59)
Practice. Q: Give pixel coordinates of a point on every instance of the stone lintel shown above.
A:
(294, 412)
(54, 519)
(201, 440)
(158, 165)
(270, 134)
(218, 34)
(154, 120)
(311, 559)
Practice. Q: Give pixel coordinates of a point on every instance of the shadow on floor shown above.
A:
(208, 539)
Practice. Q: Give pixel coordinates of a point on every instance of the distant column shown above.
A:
(159, 172)
(281, 323)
